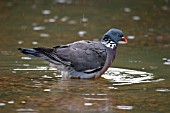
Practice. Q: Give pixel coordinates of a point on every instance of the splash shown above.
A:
(116, 75)
(126, 77)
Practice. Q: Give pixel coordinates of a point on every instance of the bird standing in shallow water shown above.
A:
(81, 59)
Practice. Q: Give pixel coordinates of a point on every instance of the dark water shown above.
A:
(137, 82)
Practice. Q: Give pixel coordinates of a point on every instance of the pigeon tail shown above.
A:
(33, 52)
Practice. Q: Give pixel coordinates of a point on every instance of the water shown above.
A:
(137, 82)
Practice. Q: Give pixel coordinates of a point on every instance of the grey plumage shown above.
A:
(81, 59)
(83, 55)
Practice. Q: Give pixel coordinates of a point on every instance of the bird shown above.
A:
(81, 59)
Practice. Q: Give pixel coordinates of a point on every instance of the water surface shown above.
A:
(137, 82)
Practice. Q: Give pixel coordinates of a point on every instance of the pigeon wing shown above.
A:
(82, 55)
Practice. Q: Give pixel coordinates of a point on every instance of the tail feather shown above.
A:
(44, 53)
(33, 52)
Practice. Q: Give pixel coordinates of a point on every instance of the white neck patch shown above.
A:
(109, 43)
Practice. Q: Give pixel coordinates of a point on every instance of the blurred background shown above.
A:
(32, 23)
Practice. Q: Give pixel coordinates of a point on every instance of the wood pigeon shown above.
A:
(81, 59)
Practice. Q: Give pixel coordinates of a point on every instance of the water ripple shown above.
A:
(116, 75)
(124, 107)
(27, 110)
(126, 77)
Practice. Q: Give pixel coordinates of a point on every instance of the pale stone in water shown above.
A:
(20, 42)
(127, 10)
(37, 28)
(34, 43)
(136, 18)
(88, 104)
(64, 19)
(47, 90)
(44, 35)
(2, 104)
(46, 12)
(82, 33)
(130, 37)
(10, 102)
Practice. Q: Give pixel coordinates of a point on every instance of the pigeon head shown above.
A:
(112, 37)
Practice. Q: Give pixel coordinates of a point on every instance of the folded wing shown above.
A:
(84, 56)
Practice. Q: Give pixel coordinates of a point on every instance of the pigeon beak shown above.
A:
(124, 39)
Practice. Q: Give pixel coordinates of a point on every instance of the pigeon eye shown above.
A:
(118, 35)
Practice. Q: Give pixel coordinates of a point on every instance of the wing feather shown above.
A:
(83, 55)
